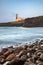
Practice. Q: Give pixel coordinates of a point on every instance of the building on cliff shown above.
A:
(18, 19)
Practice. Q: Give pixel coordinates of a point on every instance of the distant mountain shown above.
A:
(28, 22)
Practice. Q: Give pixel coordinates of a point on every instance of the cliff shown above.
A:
(28, 22)
(34, 22)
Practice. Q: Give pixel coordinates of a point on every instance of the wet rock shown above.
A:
(23, 57)
(41, 56)
(23, 52)
(4, 50)
(10, 57)
(2, 56)
(1, 53)
(29, 59)
(1, 64)
(40, 64)
(16, 62)
(28, 55)
(38, 61)
(31, 54)
(8, 53)
(6, 63)
(29, 63)
(25, 47)
(2, 60)
(18, 49)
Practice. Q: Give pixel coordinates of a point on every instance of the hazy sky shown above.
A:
(24, 8)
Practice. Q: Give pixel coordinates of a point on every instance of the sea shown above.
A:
(10, 36)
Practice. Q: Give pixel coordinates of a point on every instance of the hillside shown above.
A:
(34, 22)
(28, 22)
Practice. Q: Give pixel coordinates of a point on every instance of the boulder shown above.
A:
(16, 61)
(23, 57)
(18, 50)
(29, 63)
(1, 53)
(4, 50)
(8, 53)
(28, 55)
(2, 60)
(23, 52)
(41, 56)
(10, 57)
(40, 64)
(6, 63)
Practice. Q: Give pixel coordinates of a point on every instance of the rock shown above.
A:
(18, 49)
(39, 53)
(38, 61)
(29, 63)
(28, 55)
(1, 53)
(23, 57)
(8, 53)
(2, 60)
(40, 64)
(34, 58)
(4, 50)
(6, 63)
(41, 56)
(16, 62)
(2, 56)
(23, 52)
(25, 47)
(29, 59)
(10, 57)
(1, 64)
(31, 46)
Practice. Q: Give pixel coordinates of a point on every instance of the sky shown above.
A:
(24, 9)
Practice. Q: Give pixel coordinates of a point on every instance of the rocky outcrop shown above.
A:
(33, 22)
(31, 54)
(28, 22)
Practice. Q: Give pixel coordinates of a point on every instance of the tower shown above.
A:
(16, 16)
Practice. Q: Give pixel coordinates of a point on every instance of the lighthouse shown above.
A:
(16, 16)
(19, 19)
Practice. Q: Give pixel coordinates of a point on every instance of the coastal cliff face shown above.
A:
(34, 22)
(28, 22)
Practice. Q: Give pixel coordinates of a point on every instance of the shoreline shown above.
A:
(31, 54)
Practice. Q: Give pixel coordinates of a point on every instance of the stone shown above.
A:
(41, 56)
(23, 52)
(29, 63)
(38, 61)
(2, 60)
(6, 63)
(29, 59)
(1, 53)
(8, 53)
(28, 55)
(10, 57)
(16, 62)
(18, 49)
(40, 64)
(23, 57)
(4, 50)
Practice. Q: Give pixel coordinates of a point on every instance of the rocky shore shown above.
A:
(31, 54)
(27, 22)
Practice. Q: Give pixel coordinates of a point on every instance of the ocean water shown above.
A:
(15, 35)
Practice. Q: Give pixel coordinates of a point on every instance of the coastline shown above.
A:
(23, 54)
(27, 22)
